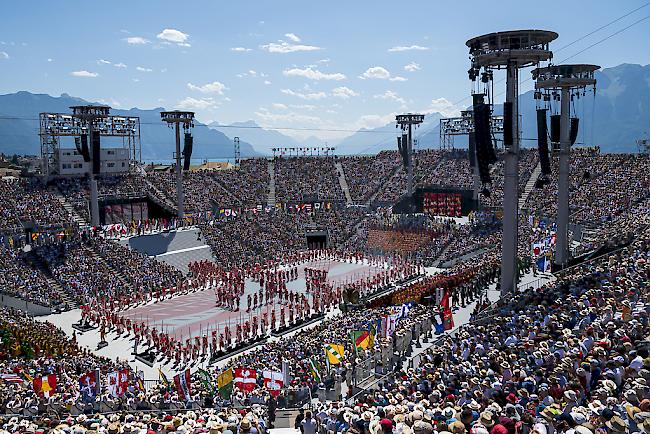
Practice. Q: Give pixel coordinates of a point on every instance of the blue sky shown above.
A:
(330, 65)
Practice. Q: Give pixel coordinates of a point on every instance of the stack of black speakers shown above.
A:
(485, 152)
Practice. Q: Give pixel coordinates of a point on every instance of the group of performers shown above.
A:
(271, 307)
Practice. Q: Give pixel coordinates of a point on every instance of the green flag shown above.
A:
(315, 369)
(225, 383)
(206, 379)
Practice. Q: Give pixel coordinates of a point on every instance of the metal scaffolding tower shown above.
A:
(511, 51)
(185, 120)
(567, 79)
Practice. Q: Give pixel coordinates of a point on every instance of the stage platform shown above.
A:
(177, 248)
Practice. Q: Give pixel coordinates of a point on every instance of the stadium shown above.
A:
(492, 283)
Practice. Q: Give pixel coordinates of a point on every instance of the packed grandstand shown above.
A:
(372, 352)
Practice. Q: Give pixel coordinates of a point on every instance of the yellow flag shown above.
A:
(334, 353)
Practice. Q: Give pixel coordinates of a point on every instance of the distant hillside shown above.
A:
(261, 139)
(19, 128)
(615, 118)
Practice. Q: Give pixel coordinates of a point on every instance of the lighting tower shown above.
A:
(88, 115)
(568, 80)
(186, 120)
(406, 123)
(511, 51)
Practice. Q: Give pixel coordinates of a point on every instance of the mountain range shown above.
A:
(19, 129)
(613, 119)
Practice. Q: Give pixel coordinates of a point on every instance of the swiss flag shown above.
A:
(245, 379)
(118, 382)
(273, 381)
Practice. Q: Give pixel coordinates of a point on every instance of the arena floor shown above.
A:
(193, 314)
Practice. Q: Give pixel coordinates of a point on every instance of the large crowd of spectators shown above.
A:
(300, 179)
(366, 174)
(206, 190)
(29, 201)
(21, 279)
(570, 357)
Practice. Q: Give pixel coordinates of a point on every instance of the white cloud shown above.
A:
(307, 96)
(252, 72)
(267, 82)
(214, 87)
(173, 35)
(143, 69)
(190, 103)
(288, 117)
(50, 60)
(393, 96)
(381, 73)
(443, 106)
(284, 47)
(137, 40)
(343, 92)
(135, 80)
(313, 74)
(241, 49)
(376, 72)
(119, 65)
(279, 106)
(407, 48)
(4, 55)
(292, 37)
(373, 121)
(412, 67)
(103, 62)
(84, 73)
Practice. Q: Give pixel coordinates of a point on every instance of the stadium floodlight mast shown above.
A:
(186, 120)
(406, 123)
(89, 115)
(510, 50)
(566, 79)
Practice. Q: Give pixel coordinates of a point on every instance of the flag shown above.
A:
(26, 377)
(334, 353)
(315, 369)
(89, 385)
(445, 300)
(372, 332)
(405, 309)
(45, 386)
(225, 383)
(360, 339)
(118, 381)
(447, 319)
(392, 324)
(182, 382)
(273, 381)
(163, 378)
(206, 379)
(11, 378)
(139, 378)
(245, 379)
